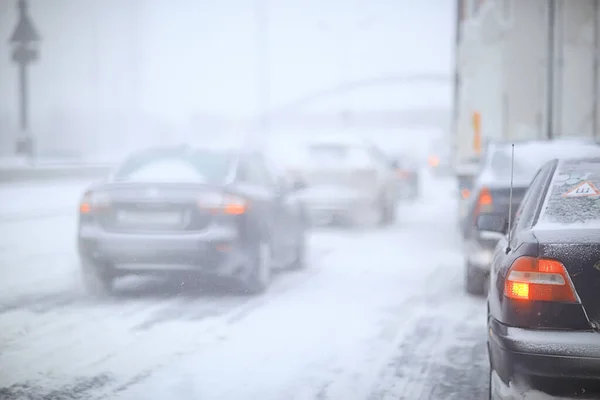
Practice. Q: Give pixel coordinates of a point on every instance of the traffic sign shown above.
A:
(25, 32)
(24, 41)
(22, 54)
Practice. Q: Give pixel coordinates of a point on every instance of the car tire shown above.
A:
(475, 280)
(387, 213)
(414, 193)
(257, 276)
(491, 387)
(97, 283)
(299, 262)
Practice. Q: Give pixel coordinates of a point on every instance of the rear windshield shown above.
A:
(198, 166)
(338, 155)
(574, 197)
(529, 157)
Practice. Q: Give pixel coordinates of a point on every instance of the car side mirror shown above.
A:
(493, 223)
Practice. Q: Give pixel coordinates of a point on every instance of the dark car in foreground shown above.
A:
(198, 212)
(544, 289)
(491, 194)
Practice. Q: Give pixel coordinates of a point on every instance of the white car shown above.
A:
(346, 181)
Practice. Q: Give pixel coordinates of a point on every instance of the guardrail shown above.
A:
(53, 172)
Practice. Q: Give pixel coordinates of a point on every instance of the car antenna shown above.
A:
(510, 195)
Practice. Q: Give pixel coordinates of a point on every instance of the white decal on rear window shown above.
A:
(584, 189)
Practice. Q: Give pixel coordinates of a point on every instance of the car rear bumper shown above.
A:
(544, 353)
(407, 187)
(321, 213)
(214, 251)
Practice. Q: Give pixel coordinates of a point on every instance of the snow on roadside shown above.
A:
(41, 200)
(37, 256)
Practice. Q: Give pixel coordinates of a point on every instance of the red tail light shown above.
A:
(539, 279)
(401, 173)
(433, 161)
(465, 193)
(93, 202)
(218, 203)
(484, 202)
(485, 198)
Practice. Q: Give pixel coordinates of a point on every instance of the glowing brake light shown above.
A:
(485, 197)
(92, 202)
(465, 193)
(402, 173)
(539, 279)
(484, 202)
(433, 161)
(217, 203)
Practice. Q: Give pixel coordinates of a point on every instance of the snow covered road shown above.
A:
(378, 314)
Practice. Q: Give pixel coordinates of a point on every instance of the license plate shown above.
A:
(149, 218)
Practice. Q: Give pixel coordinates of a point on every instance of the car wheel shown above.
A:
(300, 256)
(98, 283)
(493, 390)
(474, 280)
(387, 213)
(414, 193)
(391, 213)
(257, 276)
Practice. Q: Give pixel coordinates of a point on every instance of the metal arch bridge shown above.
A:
(345, 87)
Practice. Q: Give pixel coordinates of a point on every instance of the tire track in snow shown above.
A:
(444, 356)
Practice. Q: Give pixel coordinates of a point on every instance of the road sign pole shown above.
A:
(25, 41)
(23, 98)
(263, 72)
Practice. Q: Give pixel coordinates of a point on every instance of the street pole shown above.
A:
(25, 41)
(456, 75)
(23, 98)
(596, 86)
(263, 64)
(550, 61)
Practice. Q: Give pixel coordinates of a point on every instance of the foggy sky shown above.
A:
(173, 58)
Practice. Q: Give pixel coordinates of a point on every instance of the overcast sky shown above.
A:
(172, 58)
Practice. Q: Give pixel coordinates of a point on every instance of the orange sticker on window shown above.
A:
(584, 189)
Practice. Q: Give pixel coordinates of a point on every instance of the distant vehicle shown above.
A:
(439, 158)
(491, 191)
(347, 181)
(544, 292)
(466, 174)
(202, 212)
(407, 176)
